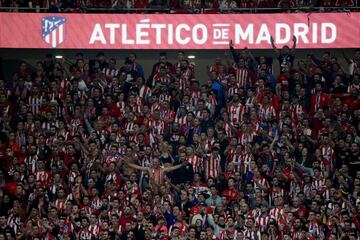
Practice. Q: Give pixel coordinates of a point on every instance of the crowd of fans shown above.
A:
(92, 150)
(183, 6)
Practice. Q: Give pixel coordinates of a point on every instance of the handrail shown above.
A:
(168, 10)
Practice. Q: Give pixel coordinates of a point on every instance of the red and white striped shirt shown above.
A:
(166, 79)
(245, 138)
(327, 152)
(169, 114)
(157, 126)
(276, 213)
(212, 166)
(110, 73)
(262, 221)
(129, 127)
(198, 114)
(243, 78)
(326, 195)
(144, 92)
(31, 163)
(164, 97)
(212, 100)
(318, 184)
(72, 176)
(156, 106)
(227, 129)
(35, 104)
(121, 106)
(196, 162)
(251, 234)
(246, 158)
(195, 95)
(88, 210)
(263, 182)
(314, 228)
(136, 108)
(96, 204)
(267, 113)
(250, 103)
(64, 85)
(181, 120)
(295, 188)
(232, 91)
(236, 112)
(74, 124)
(43, 177)
(182, 83)
(236, 159)
(60, 204)
(112, 159)
(115, 177)
(94, 229)
(85, 235)
(298, 109)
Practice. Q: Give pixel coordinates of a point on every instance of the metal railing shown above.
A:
(169, 11)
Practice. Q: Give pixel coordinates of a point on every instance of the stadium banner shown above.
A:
(178, 31)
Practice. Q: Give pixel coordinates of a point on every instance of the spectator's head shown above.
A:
(100, 56)
(163, 57)
(326, 56)
(181, 55)
(132, 57)
(3, 219)
(285, 50)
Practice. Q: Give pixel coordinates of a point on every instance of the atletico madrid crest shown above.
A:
(53, 30)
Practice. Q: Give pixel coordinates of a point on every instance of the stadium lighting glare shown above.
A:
(58, 56)
(191, 57)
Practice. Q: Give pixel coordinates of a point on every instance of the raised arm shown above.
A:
(273, 45)
(251, 56)
(137, 167)
(276, 137)
(294, 44)
(173, 168)
(347, 59)
(233, 53)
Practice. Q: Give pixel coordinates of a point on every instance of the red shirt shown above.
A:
(123, 220)
(287, 172)
(141, 4)
(196, 210)
(318, 101)
(273, 99)
(231, 195)
(353, 103)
